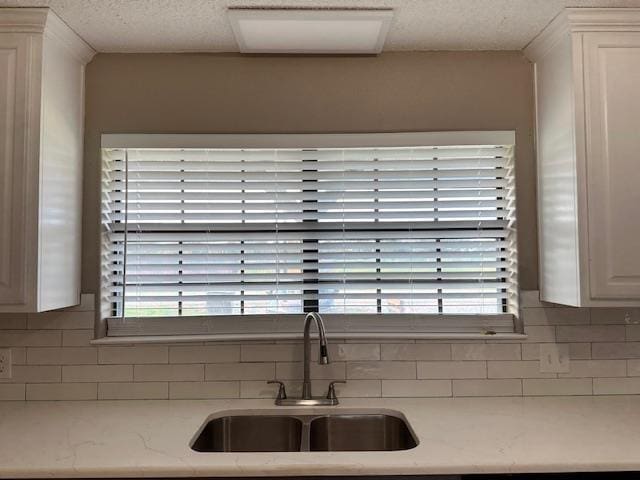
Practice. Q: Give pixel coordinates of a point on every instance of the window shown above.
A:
(386, 232)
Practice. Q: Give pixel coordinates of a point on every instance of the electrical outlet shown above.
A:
(5, 363)
(554, 358)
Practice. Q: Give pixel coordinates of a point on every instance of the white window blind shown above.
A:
(359, 230)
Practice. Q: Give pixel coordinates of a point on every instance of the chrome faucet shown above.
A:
(307, 398)
(324, 354)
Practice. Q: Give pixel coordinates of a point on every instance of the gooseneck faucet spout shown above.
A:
(324, 354)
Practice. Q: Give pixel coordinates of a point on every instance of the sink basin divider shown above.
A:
(305, 439)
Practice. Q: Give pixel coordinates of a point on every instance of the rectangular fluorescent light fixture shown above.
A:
(310, 31)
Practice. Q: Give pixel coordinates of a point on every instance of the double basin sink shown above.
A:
(273, 431)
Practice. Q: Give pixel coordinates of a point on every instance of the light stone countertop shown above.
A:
(457, 435)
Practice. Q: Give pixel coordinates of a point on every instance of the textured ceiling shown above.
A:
(202, 25)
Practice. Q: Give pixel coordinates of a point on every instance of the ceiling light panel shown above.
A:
(304, 31)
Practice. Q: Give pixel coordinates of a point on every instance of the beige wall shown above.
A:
(205, 93)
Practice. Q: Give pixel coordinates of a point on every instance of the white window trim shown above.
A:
(298, 140)
(505, 326)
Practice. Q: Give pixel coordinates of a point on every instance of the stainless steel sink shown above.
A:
(375, 432)
(250, 433)
(271, 431)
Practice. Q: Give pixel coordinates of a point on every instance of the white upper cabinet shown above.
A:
(587, 67)
(41, 133)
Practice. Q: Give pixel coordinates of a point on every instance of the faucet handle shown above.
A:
(282, 392)
(331, 393)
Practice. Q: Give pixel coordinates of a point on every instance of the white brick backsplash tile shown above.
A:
(596, 368)
(557, 386)
(577, 351)
(137, 354)
(633, 368)
(614, 316)
(540, 334)
(616, 386)
(34, 374)
(386, 370)
(271, 353)
(195, 390)
(350, 351)
(516, 369)
(455, 369)
(30, 338)
(293, 371)
(97, 373)
(12, 391)
(58, 320)
(481, 351)
(168, 373)
(13, 321)
(487, 388)
(240, 371)
(62, 356)
(133, 391)
(18, 355)
(615, 350)
(416, 388)
(204, 353)
(353, 388)
(632, 333)
(61, 391)
(258, 389)
(555, 316)
(77, 338)
(590, 333)
(416, 351)
(53, 360)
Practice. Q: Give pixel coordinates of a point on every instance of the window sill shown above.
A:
(150, 339)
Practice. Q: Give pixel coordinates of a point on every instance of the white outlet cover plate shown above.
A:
(554, 358)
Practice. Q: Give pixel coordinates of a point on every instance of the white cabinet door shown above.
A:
(14, 59)
(612, 103)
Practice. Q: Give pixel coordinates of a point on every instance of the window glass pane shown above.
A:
(397, 230)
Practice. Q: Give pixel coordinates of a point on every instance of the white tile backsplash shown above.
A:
(168, 373)
(204, 390)
(62, 356)
(97, 373)
(240, 371)
(12, 391)
(416, 388)
(204, 354)
(53, 360)
(61, 391)
(416, 351)
(136, 354)
(595, 368)
(454, 369)
(557, 386)
(616, 386)
(479, 351)
(30, 338)
(384, 370)
(133, 391)
(487, 388)
(590, 333)
(516, 369)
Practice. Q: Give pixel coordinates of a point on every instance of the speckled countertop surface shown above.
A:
(456, 435)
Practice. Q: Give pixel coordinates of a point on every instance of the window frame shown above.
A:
(287, 326)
